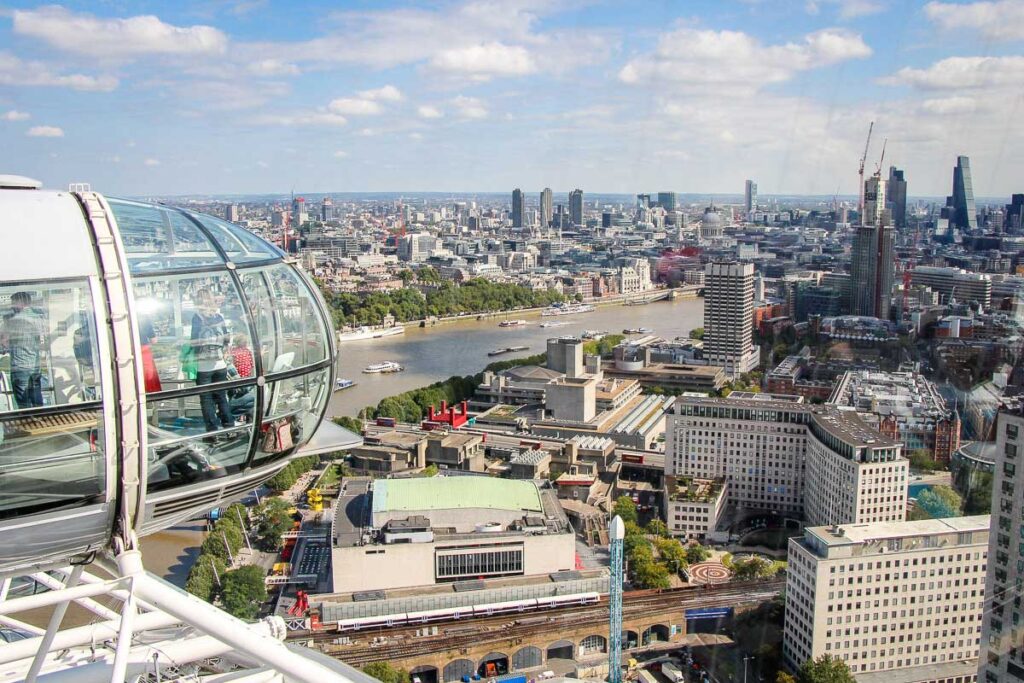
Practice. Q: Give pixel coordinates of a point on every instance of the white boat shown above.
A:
(553, 323)
(343, 383)
(366, 332)
(594, 334)
(512, 323)
(566, 309)
(382, 367)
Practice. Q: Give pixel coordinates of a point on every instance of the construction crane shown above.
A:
(860, 172)
(878, 168)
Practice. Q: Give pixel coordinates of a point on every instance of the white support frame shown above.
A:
(155, 633)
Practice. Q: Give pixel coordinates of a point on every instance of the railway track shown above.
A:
(402, 642)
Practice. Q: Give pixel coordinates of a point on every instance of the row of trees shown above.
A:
(603, 346)
(475, 296)
(937, 502)
(652, 562)
(412, 406)
(241, 591)
(286, 478)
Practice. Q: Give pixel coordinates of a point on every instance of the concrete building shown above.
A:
(779, 453)
(729, 317)
(389, 453)
(565, 356)
(693, 507)
(750, 196)
(1002, 655)
(546, 208)
(899, 602)
(419, 532)
(904, 406)
(954, 283)
(518, 208)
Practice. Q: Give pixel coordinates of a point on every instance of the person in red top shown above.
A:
(241, 355)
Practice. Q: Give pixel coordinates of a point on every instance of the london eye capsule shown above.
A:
(154, 363)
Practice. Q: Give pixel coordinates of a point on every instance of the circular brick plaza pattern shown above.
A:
(709, 572)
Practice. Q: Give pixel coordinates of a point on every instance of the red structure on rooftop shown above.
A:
(448, 415)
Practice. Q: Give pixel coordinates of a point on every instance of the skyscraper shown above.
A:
(871, 262)
(576, 207)
(517, 208)
(546, 208)
(897, 199)
(750, 196)
(667, 201)
(729, 317)
(327, 209)
(1002, 657)
(966, 216)
(231, 213)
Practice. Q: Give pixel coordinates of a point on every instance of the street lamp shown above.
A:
(745, 660)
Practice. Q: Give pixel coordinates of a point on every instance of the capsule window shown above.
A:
(293, 407)
(159, 239)
(51, 423)
(240, 245)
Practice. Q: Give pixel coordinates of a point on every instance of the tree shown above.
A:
(430, 470)
(203, 577)
(751, 568)
(244, 592)
(656, 527)
(651, 575)
(272, 520)
(783, 677)
(825, 669)
(625, 508)
(697, 333)
(979, 497)
(939, 501)
(696, 554)
(406, 276)
(672, 554)
(223, 530)
(352, 424)
(386, 673)
(922, 459)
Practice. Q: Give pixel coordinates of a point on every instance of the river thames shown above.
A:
(429, 355)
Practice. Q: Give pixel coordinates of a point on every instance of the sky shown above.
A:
(265, 96)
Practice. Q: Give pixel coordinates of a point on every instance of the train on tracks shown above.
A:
(467, 612)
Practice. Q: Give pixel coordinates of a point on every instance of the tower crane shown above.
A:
(878, 168)
(860, 172)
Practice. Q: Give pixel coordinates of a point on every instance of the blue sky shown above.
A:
(253, 96)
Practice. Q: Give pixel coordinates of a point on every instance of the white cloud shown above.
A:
(353, 106)
(152, 162)
(485, 60)
(262, 164)
(416, 136)
(848, 9)
(302, 119)
(950, 105)
(15, 71)
(469, 107)
(340, 154)
(15, 115)
(427, 111)
(387, 93)
(45, 132)
(697, 57)
(86, 34)
(999, 20)
(958, 73)
(272, 67)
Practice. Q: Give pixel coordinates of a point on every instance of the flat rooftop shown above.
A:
(858, 534)
(446, 493)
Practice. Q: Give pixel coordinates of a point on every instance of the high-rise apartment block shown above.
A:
(1002, 636)
(231, 213)
(965, 214)
(779, 453)
(546, 208)
(750, 196)
(897, 199)
(576, 207)
(896, 601)
(518, 207)
(871, 261)
(729, 317)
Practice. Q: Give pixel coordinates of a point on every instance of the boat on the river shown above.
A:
(512, 323)
(367, 332)
(510, 349)
(566, 309)
(553, 323)
(383, 367)
(343, 383)
(594, 334)
(637, 330)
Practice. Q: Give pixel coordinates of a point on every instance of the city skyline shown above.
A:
(248, 98)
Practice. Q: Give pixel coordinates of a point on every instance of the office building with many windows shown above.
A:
(729, 317)
(1002, 639)
(781, 454)
(898, 602)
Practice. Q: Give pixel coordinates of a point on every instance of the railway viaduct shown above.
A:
(444, 652)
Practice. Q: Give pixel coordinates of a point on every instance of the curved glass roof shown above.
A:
(162, 238)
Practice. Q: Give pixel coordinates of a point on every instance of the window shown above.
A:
(481, 563)
(161, 239)
(51, 422)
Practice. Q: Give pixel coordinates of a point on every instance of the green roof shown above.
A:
(443, 493)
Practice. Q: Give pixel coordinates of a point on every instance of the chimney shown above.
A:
(430, 413)
(465, 407)
(444, 407)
